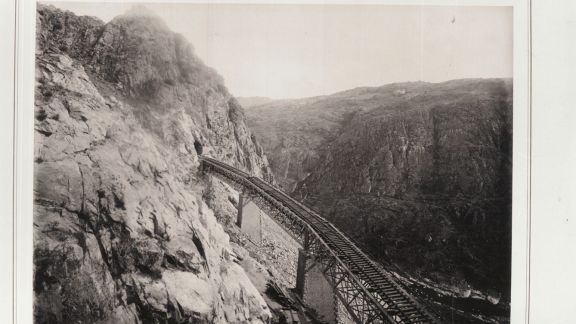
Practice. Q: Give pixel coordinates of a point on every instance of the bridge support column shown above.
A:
(300, 272)
(317, 293)
(249, 218)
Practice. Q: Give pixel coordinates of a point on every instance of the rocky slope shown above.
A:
(122, 233)
(293, 132)
(419, 173)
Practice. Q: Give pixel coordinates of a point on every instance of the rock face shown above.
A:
(419, 173)
(294, 132)
(121, 231)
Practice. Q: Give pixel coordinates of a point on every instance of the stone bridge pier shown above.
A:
(317, 293)
(311, 285)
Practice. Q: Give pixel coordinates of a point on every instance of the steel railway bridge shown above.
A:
(369, 293)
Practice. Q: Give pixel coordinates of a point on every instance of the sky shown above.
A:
(303, 50)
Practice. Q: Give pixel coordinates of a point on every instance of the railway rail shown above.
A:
(369, 292)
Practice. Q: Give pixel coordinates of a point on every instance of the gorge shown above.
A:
(418, 173)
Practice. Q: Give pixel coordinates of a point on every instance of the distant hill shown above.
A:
(248, 102)
(418, 172)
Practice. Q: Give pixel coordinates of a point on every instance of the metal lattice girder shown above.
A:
(369, 293)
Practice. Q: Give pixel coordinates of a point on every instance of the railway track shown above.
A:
(380, 285)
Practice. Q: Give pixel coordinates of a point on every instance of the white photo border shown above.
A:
(22, 248)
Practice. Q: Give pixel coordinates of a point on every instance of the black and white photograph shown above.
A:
(272, 163)
(287, 161)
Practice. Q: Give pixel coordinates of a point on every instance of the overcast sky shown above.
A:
(292, 51)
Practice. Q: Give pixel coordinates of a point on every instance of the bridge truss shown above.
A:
(369, 292)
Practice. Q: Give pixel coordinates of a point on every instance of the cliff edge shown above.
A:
(121, 231)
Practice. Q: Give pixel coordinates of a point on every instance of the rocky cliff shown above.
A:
(122, 233)
(419, 173)
(294, 132)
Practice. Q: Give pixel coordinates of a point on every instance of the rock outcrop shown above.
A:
(419, 173)
(121, 230)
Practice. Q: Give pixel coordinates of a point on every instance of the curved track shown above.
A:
(369, 292)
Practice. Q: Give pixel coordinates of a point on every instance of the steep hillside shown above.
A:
(121, 231)
(419, 173)
(295, 131)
